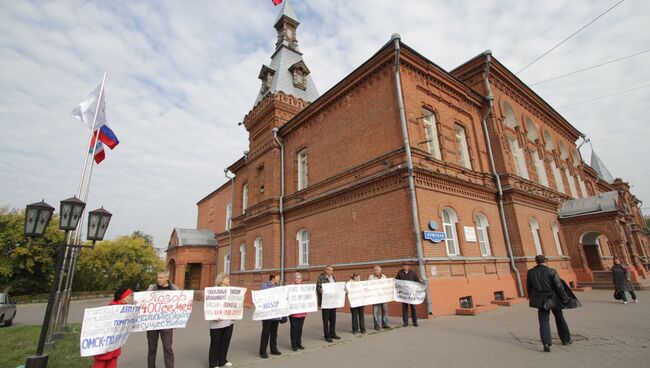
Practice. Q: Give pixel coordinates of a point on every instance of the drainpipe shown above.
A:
(409, 162)
(275, 136)
(490, 99)
(232, 210)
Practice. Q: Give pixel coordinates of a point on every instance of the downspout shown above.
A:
(275, 136)
(490, 101)
(409, 163)
(232, 210)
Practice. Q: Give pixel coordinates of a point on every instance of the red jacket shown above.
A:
(111, 354)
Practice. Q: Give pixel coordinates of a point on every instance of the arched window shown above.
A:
(548, 141)
(431, 133)
(482, 233)
(226, 264)
(557, 175)
(463, 149)
(302, 169)
(242, 257)
(564, 154)
(259, 253)
(518, 158)
(534, 229)
(572, 183)
(510, 120)
(228, 216)
(244, 197)
(556, 236)
(449, 220)
(303, 247)
(583, 187)
(539, 169)
(532, 130)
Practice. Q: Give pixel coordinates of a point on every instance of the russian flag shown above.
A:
(100, 155)
(106, 136)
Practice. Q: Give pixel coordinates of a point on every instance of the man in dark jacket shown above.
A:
(166, 335)
(407, 274)
(270, 326)
(545, 292)
(329, 314)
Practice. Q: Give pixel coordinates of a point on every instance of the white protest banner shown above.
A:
(371, 292)
(270, 303)
(302, 298)
(223, 303)
(333, 295)
(163, 309)
(105, 329)
(409, 292)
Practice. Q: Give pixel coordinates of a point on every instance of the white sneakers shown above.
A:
(636, 301)
(228, 364)
(624, 301)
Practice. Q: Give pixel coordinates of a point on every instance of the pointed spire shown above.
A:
(598, 165)
(288, 12)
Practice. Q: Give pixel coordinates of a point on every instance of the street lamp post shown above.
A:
(37, 217)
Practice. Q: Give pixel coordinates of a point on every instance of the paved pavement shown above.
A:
(605, 333)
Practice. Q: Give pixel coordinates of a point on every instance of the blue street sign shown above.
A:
(434, 236)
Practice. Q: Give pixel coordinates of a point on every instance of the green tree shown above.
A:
(26, 265)
(125, 261)
(148, 238)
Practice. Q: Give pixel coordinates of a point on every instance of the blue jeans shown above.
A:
(384, 314)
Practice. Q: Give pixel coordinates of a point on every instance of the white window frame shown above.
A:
(226, 264)
(572, 183)
(259, 253)
(534, 229)
(557, 176)
(583, 187)
(518, 157)
(431, 134)
(482, 225)
(556, 237)
(532, 130)
(242, 257)
(449, 225)
(540, 169)
(303, 174)
(244, 197)
(510, 119)
(303, 247)
(463, 149)
(228, 216)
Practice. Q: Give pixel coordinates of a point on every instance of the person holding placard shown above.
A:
(376, 308)
(123, 295)
(329, 314)
(297, 320)
(166, 335)
(407, 274)
(270, 326)
(358, 319)
(220, 333)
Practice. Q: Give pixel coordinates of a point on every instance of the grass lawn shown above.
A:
(18, 342)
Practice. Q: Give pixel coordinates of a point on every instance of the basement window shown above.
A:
(498, 295)
(466, 302)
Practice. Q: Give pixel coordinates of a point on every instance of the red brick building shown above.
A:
(353, 177)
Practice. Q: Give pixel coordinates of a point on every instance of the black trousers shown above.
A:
(329, 322)
(358, 320)
(405, 314)
(632, 294)
(296, 331)
(167, 337)
(219, 343)
(269, 334)
(545, 325)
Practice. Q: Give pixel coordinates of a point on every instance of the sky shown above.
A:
(182, 74)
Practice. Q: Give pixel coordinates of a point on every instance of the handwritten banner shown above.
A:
(409, 292)
(333, 295)
(163, 309)
(370, 292)
(107, 328)
(223, 303)
(302, 298)
(270, 303)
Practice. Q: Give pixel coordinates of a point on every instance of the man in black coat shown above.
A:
(407, 274)
(546, 293)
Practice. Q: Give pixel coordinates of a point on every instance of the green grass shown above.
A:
(19, 342)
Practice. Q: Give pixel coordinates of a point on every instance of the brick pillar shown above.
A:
(180, 276)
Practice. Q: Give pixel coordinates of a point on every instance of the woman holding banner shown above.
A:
(220, 333)
(358, 319)
(123, 295)
(297, 321)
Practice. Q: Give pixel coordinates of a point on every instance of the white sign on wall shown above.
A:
(470, 234)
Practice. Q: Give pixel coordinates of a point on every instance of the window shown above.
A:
(228, 216)
(449, 220)
(226, 264)
(572, 183)
(244, 197)
(510, 120)
(482, 233)
(540, 169)
(583, 187)
(556, 236)
(564, 154)
(259, 253)
(302, 169)
(532, 130)
(463, 150)
(518, 158)
(558, 178)
(431, 133)
(576, 158)
(242, 257)
(303, 247)
(534, 228)
(548, 141)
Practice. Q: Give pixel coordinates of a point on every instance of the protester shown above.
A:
(270, 326)
(123, 295)
(621, 280)
(166, 335)
(358, 320)
(329, 314)
(297, 320)
(383, 307)
(407, 274)
(220, 333)
(546, 293)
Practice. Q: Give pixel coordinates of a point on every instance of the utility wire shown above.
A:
(566, 39)
(589, 68)
(609, 95)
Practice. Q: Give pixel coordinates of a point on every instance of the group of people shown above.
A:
(546, 292)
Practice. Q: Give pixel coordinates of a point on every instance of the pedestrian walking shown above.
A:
(270, 326)
(358, 319)
(546, 293)
(329, 314)
(220, 333)
(123, 295)
(166, 335)
(407, 274)
(296, 321)
(621, 280)
(379, 311)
